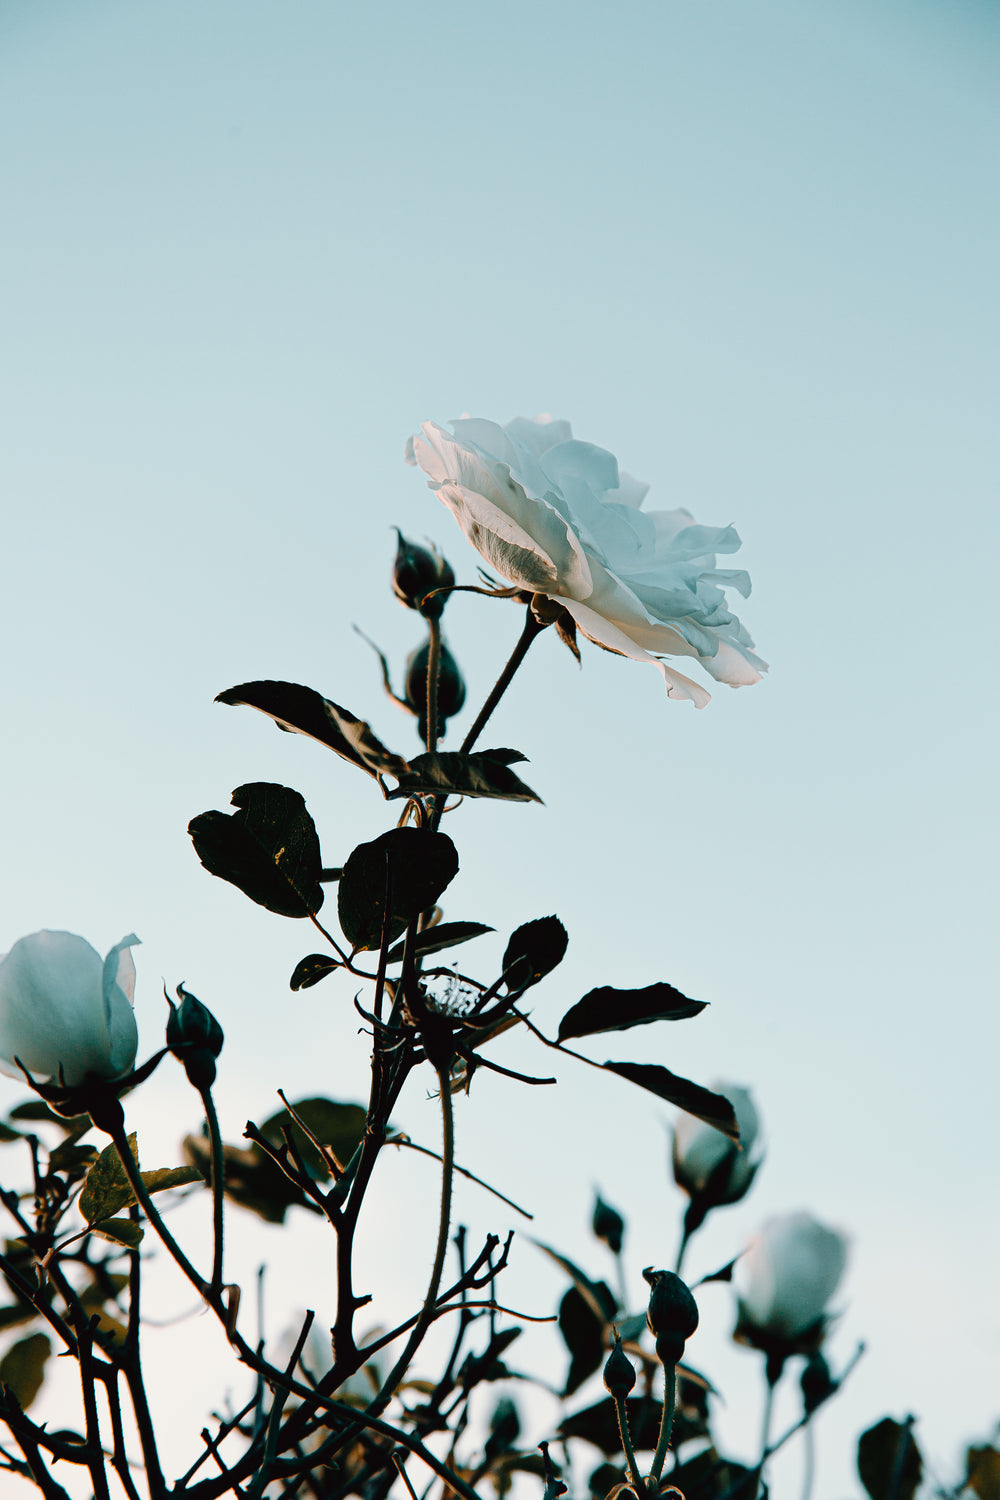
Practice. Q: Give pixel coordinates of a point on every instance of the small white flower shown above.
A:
(64, 1012)
(555, 516)
(707, 1164)
(787, 1276)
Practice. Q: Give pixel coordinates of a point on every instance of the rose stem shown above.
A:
(427, 1311)
(532, 627)
(218, 1187)
(433, 673)
(666, 1419)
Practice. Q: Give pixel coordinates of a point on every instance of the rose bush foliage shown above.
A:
(556, 516)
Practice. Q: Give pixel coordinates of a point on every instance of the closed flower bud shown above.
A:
(195, 1038)
(619, 1372)
(451, 686)
(608, 1225)
(712, 1169)
(784, 1282)
(672, 1314)
(816, 1382)
(417, 573)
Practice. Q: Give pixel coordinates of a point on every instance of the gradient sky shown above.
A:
(752, 248)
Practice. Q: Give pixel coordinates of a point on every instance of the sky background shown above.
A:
(752, 249)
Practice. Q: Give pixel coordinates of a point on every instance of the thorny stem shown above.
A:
(132, 1370)
(666, 1419)
(627, 1449)
(423, 1322)
(218, 1188)
(153, 1215)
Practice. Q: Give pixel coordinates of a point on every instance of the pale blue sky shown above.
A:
(752, 249)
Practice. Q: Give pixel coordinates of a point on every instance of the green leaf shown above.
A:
(982, 1467)
(444, 935)
(420, 864)
(120, 1231)
(714, 1109)
(598, 1424)
(583, 1333)
(608, 1009)
(311, 969)
(17, 1312)
(304, 711)
(889, 1461)
(268, 848)
(533, 951)
(450, 773)
(36, 1109)
(107, 1189)
(22, 1368)
(71, 1159)
(8, 1134)
(339, 1126)
(595, 1293)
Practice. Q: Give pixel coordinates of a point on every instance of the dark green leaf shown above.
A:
(339, 1126)
(608, 1225)
(36, 1109)
(7, 1134)
(714, 1109)
(595, 1293)
(583, 1333)
(253, 1180)
(22, 1368)
(420, 864)
(598, 1424)
(304, 711)
(311, 969)
(17, 1312)
(450, 773)
(608, 1009)
(107, 1189)
(889, 1461)
(71, 1159)
(444, 935)
(120, 1231)
(269, 848)
(533, 951)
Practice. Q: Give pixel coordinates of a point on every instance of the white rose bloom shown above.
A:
(788, 1274)
(555, 516)
(66, 1013)
(699, 1150)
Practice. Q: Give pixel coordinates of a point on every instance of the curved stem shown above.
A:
(532, 627)
(433, 675)
(666, 1419)
(626, 1437)
(682, 1249)
(809, 1466)
(218, 1187)
(153, 1215)
(423, 1322)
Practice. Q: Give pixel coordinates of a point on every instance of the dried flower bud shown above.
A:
(608, 1225)
(195, 1037)
(417, 572)
(619, 1372)
(451, 686)
(672, 1315)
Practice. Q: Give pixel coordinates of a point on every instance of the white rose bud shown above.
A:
(785, 1281)
(712, 1169)
(66, 1013)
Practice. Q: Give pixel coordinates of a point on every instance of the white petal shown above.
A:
(51, 1007)
(596, 628)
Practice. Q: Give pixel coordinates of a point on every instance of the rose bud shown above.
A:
(451, 686)
(608, 1225)
(712, 1169)
(195, 1038)
(619, 1372)
(417, 573)
(785, 1280)
(672, 1314)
